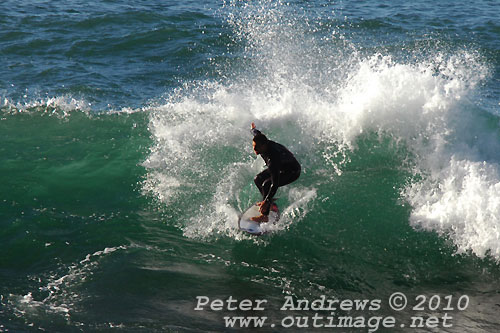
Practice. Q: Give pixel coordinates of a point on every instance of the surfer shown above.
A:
(282, 169)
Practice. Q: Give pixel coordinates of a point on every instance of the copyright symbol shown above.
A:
(397, 301)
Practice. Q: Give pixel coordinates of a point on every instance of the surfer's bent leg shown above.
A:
(289, 176)
(286, 177)
(263, 182)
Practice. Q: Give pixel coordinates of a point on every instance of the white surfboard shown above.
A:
(255, 228)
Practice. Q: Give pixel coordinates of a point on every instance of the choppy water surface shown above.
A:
(126, 159)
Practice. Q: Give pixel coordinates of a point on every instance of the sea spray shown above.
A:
(423, 104)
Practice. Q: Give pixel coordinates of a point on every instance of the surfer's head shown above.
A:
(259, 143)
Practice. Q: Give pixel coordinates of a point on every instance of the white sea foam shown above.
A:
(59, 289)
(60, 106)
(455, 143)
(463, 201)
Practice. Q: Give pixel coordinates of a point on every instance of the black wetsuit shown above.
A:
(282, 169)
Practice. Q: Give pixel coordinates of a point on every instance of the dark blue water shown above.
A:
(126, 159)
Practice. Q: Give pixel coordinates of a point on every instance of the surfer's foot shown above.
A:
(260, 219)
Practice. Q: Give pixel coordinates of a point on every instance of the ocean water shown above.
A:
(126, 158)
